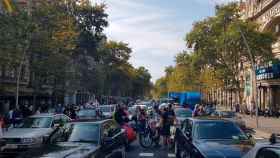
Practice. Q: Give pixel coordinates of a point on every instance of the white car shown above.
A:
(31, 133)
(107, 110)
(265, 150)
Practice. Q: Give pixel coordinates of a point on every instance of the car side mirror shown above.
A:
(249, 135)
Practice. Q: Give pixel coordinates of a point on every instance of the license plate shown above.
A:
(10, 146)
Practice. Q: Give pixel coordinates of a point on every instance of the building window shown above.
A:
(276, 28)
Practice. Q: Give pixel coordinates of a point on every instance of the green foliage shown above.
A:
(68, 50)
(219, 52)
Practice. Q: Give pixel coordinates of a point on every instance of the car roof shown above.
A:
(46, 115)
(208, 119)
(92, 122)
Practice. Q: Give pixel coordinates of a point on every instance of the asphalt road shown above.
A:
(136, 151)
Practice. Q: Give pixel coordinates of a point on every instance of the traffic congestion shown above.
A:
(119, 130)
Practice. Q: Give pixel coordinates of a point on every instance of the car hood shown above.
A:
(63, 150)
(107, 113)
(223, 148)
(27, 132)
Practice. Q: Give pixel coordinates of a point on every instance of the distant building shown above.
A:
(267, 14)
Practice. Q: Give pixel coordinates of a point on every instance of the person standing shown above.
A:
(2, 125)
(165, 127)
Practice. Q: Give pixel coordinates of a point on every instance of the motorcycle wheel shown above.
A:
(145, 140)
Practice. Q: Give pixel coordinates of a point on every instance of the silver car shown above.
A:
(31, 133)
(107, 110)
(265, 149)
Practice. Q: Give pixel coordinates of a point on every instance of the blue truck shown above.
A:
(186, 98)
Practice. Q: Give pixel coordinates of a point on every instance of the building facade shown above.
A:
(267, 14)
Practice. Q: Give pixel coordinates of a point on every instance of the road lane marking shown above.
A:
(146, 154)
(171, 155)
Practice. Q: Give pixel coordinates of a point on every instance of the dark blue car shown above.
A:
(211, 138)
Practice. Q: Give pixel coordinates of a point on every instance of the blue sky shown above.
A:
(155, 29)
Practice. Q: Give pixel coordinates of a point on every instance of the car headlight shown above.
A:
(27, 140)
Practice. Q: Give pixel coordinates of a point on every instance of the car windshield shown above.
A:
(183, 113)
(106, 108)
(82, 132)
(217, 130)
(37, 122)
(87, 113)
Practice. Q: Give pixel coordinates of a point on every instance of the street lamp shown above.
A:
(254, 77)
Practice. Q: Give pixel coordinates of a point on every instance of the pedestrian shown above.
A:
(59, 109)
(165, 127)
(119, 115)
(2, 125)
(252, 108)
(38, 111)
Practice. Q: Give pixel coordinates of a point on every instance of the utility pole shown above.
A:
(254, 78)
(23, 57)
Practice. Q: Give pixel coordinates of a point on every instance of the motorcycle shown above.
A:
(150, 134)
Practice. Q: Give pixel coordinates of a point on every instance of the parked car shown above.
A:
(231, 116)
(101, 139)
(265, 150)
(31, 133)
(208, 138)
(107, 110)
(87, 115)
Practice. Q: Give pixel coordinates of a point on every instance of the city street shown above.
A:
(136, 151)
(84, 78)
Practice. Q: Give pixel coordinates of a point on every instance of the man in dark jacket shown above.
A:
(120, 116)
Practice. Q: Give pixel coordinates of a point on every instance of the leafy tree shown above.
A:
(217, 40)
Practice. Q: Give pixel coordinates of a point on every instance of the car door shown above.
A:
(187, 134)
(107, 145)
(113, 139)
(269, 152)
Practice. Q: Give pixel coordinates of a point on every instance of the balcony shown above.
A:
(255, 10)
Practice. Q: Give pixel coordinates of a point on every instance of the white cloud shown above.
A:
(155, 33)
(148, 31)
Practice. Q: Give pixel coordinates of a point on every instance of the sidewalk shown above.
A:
(266, 125)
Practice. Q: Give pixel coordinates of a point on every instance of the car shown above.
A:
(87, 115)
(265, 149)
(31, 133)
(232, 116)
(211, 138)
(182, 114)
(98, 139)
(107, 110)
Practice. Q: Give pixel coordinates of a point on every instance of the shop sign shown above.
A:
(268, 72)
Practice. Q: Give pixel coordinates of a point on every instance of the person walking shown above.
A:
(120, 116)
(2, 125)
(165, 126)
